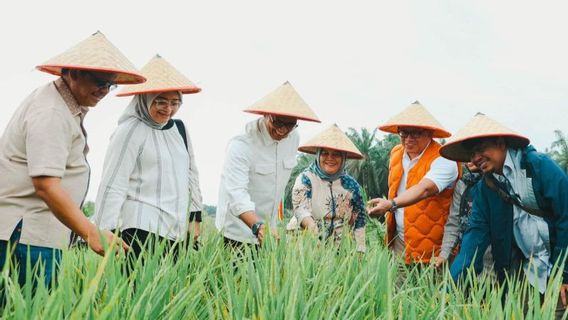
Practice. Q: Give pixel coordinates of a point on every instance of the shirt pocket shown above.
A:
(289, 164)
(264, 169)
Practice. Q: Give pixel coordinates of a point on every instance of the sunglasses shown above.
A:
(278, 124)
(413, 133)
(99, 82)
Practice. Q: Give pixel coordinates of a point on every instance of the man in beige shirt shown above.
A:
(43, 165)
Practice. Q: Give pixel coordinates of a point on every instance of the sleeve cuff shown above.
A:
(301, 216)
(241, 208)
(46, 171)
(445, 253)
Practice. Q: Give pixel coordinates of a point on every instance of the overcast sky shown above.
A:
(356, 63)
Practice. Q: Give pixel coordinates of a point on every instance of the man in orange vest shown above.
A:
(421, 184)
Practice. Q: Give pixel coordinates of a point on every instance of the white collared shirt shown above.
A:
(254, 177)
(443, 173)
(530, 231)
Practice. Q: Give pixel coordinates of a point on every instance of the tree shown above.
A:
(372, 171)
(304, 160)
(559, 150)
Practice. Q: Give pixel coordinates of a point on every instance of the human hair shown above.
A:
(472, 143)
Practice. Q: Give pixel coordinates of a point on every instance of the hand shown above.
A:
(310, 225)
(439, 261)
(378, 207)
(260, 235)
(564, 294)
(274, 233)
(94, 240)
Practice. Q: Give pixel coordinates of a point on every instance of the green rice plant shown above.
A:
(295, 277)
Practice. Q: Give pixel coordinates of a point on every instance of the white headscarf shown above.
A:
(139, 108)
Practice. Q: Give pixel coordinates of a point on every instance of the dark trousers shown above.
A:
(141, 241)
(17, 254)
(239, 249)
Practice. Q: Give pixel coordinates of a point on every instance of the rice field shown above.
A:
(296, 277)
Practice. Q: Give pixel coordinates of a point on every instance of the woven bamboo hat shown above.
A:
(162, 77)
(481, 126)
(95, 53)
(415, 115)
(332, 138)
(284, 101)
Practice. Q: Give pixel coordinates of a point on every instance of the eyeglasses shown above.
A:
(278, 124)
(413, 133)
(331, 154)
(163, 103)
(99, 82)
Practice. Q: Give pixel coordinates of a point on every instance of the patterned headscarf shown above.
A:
(315, 167)
(139, 108)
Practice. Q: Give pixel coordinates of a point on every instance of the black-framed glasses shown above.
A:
(279, 124)
(163, 102)
(99, 82)
(413, 133)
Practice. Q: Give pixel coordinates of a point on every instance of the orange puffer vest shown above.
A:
(424, 221)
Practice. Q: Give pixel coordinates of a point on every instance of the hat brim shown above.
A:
(437, 132)
(183, 90)
(312, 149)
(456, 151)
(123, 77)
(284, 114)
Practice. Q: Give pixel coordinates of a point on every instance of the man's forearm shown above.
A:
(249, 218)
(49, 189)
(416, 193)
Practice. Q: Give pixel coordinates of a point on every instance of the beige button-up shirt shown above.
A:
(45, 137)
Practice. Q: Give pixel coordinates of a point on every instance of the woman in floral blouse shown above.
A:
(326, 199)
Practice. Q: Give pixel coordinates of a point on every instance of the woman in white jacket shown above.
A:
(150, 181)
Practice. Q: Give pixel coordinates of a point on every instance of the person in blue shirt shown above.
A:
(520, 207)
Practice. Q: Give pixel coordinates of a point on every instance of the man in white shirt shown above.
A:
(257, 167)
(420, 186)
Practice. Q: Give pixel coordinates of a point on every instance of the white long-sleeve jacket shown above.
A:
(254, 177)
(150, 181)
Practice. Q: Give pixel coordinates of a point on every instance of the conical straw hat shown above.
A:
(162, 77)
(332, 138)
(284, 101)
(95, 53)
(480, 126)
(415, 115)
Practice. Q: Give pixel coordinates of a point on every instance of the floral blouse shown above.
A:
(334, 206)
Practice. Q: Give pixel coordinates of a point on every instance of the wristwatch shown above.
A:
(256, 228)
(394, 206)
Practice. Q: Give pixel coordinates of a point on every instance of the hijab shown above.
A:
(316, 168)
(139, 108)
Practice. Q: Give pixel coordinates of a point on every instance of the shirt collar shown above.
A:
(511, 164)
(263, 132)
(69, 99)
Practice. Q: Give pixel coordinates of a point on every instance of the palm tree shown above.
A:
(372, 171)
(304, 161)
(559, 150)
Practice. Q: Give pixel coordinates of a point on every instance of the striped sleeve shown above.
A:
(120, 161)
